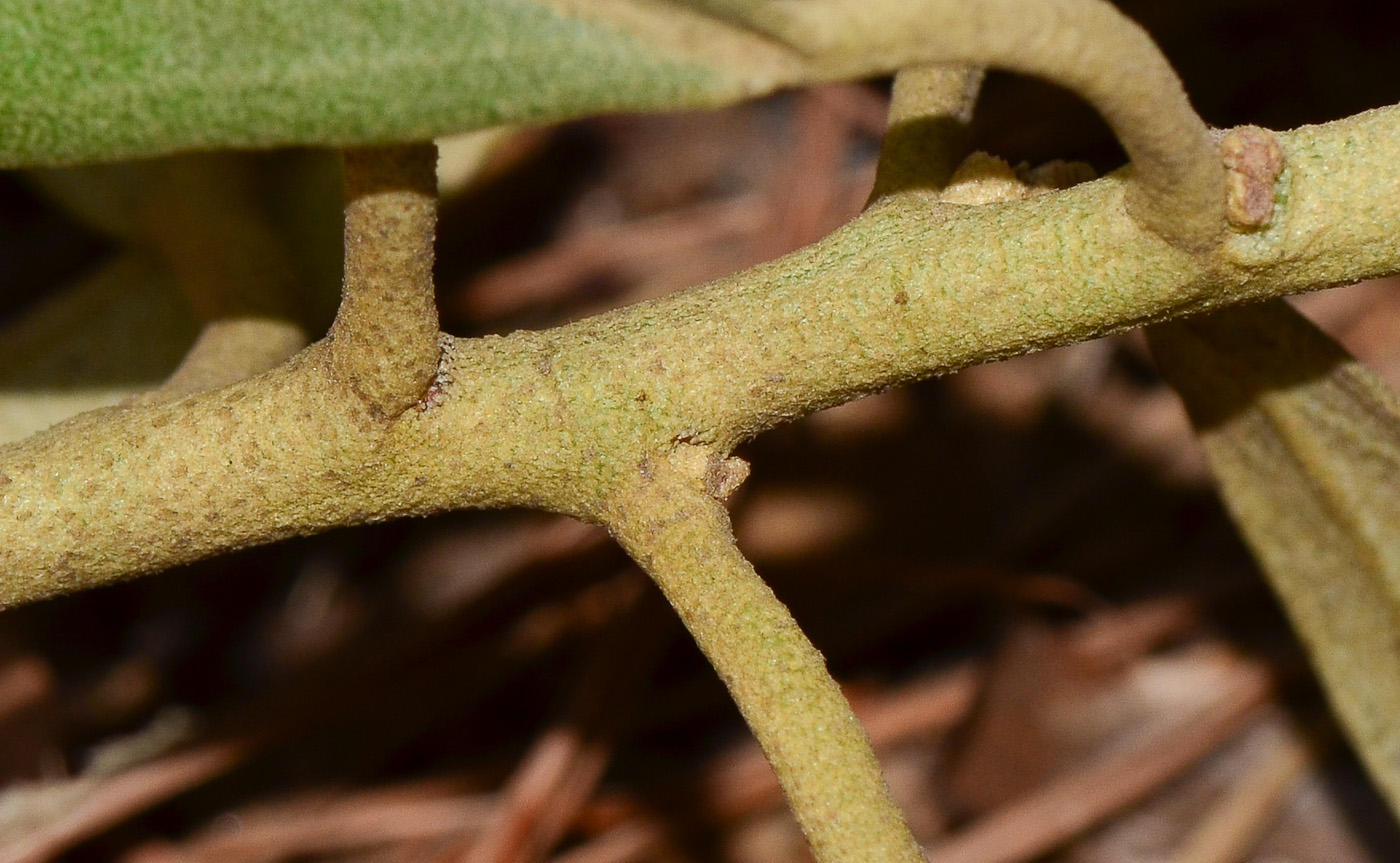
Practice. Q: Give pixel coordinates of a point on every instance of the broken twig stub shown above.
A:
(1253, 163)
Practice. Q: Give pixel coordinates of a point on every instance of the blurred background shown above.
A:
(1020, 573)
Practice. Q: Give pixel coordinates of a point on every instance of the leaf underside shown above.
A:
(1304, 443)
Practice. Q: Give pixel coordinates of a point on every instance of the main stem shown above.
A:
(554, 419)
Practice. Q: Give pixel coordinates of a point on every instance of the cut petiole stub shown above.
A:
(385, 345)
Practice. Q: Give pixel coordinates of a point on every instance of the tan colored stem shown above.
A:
(1087, 46)
(201, 216)
(557, 420)
(930, 109)
(385, 337)
(227, 351)
(682, 537)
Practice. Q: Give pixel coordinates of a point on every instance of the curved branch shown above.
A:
(1088, 46)
(681, 536)
(384, 343)
(600, 57)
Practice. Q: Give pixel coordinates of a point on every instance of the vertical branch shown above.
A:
(930, 110)
(682, 537)
(384, 343)
(1088, 46)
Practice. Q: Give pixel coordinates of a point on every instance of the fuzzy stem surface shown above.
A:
(559, 419)
(930, 111)
(682, 537)
(385, 337)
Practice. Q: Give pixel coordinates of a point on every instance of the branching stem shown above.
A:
(681, 536)
(557, 419)
(930, 109)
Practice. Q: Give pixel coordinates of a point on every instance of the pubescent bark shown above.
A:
(557, 420)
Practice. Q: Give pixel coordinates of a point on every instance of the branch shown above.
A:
(384, 342)
(930, 110)
(370, 73)
(559, 420)
(1087, 46)
(681, 536)
(199, 215)
(672, 523)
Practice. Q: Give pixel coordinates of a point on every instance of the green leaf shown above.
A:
(1305, 446)
(92, 80)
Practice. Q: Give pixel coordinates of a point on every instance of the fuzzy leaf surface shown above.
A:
(97, 80)
(1304, 443)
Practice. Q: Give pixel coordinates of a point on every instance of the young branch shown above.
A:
(384, 343)
(1087, 46)
(930, 110)
(200, 217)
(681, 536)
